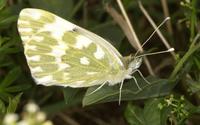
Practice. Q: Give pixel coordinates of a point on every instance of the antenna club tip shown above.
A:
(168, 18)
(171, 49)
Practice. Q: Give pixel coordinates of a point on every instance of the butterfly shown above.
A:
(61, 53)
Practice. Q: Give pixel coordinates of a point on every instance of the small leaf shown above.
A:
(13, 103)
(4, 96)
(11, 77)
(164, 115)
(150, 115)
(2, 4)
(8, 46)
(157, 88)
(134, 115)
(18, 88)
(197, 62)
(152, 112)
(2, 107)
(194, 86)
(7, 20)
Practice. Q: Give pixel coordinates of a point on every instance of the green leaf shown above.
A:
(2, 4)
(73, 95)
(13, 103)
(157, 88)
(7, 20)
(197, 62)
(194, 86)
(8, 46)
(4, 96)
(134, 115)
(11, 77)
(150, 115)
(18, 88)
(164, 115)
(2, 107)
(152, 112)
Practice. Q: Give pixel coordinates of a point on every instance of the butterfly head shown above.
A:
(135, 63)
(131, 63)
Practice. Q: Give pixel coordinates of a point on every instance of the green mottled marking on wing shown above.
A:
(27, 22)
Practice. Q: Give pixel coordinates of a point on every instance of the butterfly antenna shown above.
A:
(166, 19)
(155, 53)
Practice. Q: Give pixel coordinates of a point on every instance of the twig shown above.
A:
(166, 13)
(154, 26)
(133, 34)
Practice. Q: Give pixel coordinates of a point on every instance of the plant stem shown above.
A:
(183, 60)
(192, 21)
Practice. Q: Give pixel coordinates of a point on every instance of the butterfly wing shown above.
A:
(61, 53)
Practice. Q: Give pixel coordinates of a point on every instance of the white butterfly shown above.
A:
(64, 54)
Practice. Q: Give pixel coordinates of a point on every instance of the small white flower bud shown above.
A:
(47, 123)
(23, 123)
(32, 108)
(40, 117)
(10, 119)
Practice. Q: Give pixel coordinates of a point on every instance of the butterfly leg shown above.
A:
(98, 88)
(136, 83)
(142, 76)
(120, 91)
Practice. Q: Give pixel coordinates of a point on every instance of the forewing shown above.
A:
(61, 53)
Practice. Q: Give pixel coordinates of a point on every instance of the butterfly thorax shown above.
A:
(130, 64)
(119, 77)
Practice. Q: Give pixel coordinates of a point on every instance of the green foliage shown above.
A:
(171, 109)
(10, 71)
(13, 103)
(150, 115)
(158, 87)
(2, 4)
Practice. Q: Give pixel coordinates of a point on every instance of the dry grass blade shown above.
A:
(166, 13)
